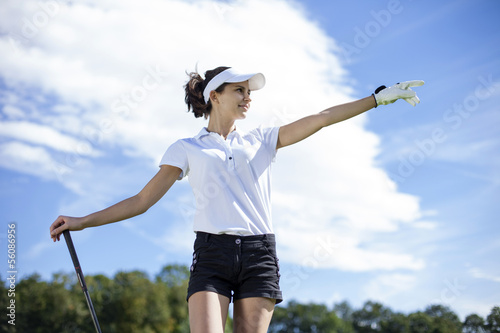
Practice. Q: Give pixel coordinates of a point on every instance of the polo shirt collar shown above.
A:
(204, 132)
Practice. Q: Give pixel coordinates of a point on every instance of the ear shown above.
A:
(213, 96)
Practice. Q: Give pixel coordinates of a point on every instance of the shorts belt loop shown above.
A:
(207, 236)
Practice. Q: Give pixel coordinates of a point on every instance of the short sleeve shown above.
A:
(269, 138)
(176, 156)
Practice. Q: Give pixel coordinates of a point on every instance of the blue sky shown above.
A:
(399, 205)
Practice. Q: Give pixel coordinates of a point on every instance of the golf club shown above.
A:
(81, 279)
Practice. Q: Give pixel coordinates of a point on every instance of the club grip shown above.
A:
(74, 257)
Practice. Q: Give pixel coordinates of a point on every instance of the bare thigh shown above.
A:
(253, 314)
(207, 312)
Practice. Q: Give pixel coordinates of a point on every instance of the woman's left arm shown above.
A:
(305, 127)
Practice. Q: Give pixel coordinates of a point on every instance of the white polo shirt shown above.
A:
(231, 179)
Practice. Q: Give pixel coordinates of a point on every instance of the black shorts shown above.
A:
(235, 266)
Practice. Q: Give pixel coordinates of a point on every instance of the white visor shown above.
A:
(256, 81)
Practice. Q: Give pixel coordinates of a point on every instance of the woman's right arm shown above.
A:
(133, 206)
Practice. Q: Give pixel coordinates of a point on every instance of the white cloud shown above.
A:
(12, 112)
(37, 249)
(427, 225)
(24, 158)
(386, 286)
(339, 247)
(91, 64)
(480, 274)
(45, 136)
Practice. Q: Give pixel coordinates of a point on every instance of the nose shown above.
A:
(247, 97)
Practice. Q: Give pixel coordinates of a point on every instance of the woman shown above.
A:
(234, 252)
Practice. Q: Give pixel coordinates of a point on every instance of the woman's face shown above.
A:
(233, 101)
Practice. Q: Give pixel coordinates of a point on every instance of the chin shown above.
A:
(241, 115)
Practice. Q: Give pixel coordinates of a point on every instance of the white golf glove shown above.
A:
(384, 95)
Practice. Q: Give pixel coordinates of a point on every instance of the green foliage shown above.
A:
(420, 322)
(132, 302)
(370, 317)
(175, 278)
(48, 306)
(473, 324)
(395, 323)
(443, 319)
(344, 311)
(306, 318)
(493, 320)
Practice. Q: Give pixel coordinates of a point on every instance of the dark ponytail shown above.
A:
(194, 92)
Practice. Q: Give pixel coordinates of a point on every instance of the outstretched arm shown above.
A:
(136, 205)
(305, 127)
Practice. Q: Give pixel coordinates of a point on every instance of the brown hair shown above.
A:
(194, 92)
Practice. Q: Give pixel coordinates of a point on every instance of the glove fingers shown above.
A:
(416, 83)
(413, 101)
(408, 84)
(410, 101)
(405, 93)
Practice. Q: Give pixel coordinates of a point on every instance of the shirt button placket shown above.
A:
(230, 159)
(229, 153)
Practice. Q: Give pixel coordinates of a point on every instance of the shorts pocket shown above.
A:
(271, 250)
(199, 249)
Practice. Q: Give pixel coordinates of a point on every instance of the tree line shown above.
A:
(133, 302)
